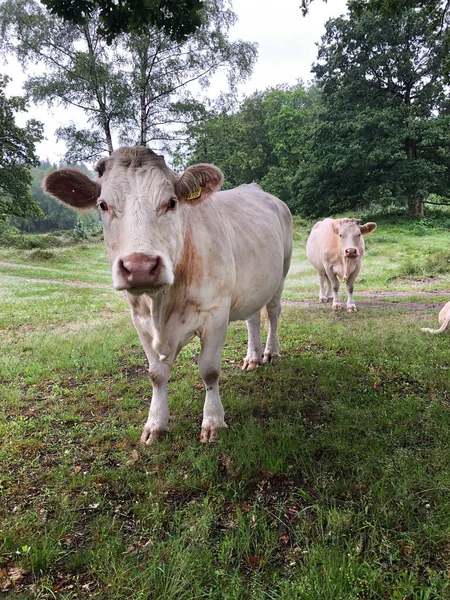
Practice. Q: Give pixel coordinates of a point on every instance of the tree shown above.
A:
(174, 18)
(135, 88)
(262, 141)
(17, 156)
(383, 133)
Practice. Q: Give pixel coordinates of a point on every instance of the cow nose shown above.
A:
(351, 252)
(140, 269)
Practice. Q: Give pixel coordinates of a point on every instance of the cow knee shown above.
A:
(210, 376)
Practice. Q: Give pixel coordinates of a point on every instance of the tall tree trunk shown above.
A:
(411, 153)
(420, 211)
(143, 140)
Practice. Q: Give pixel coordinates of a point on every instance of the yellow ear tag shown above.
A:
(195, 194)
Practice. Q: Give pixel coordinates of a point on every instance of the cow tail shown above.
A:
(442, 328)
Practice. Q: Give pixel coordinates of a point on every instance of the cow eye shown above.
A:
(103, 206)
(172, 203)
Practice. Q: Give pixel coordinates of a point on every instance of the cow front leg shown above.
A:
(158, 417)
(209, 364)
(351, 306)
(254, 350)
(334, 281)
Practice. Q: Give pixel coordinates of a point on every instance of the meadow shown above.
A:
(331, 483)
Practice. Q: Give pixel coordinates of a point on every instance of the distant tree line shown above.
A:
(373, 129)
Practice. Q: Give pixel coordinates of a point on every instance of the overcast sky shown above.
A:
(286, 50)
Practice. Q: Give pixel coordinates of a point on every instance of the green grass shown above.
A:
(332, 481)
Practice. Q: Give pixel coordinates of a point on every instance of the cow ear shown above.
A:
(367, 228)
(198, 182)
(73, 188)
(337, 225)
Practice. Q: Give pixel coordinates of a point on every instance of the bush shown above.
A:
(87, 225)
(40, 254)
(438, 262)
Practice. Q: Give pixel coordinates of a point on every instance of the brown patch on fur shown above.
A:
(130, 157)
(189, 269)
(210, 378)
(72, 187)
(156, 378)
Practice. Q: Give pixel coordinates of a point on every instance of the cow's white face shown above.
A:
(140, 201)
(351, 240)
(140, 216)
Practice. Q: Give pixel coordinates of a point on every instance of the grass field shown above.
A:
(331, 483)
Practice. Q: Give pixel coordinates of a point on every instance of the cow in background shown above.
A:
(189, 259)
(335, 248)
(444, 320)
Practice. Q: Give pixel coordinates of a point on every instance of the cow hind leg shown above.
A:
(209, 363)
(323, 281)
(272, 349)
(254, 351)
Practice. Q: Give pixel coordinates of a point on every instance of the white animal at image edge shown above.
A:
(335, 248)
(444, 320)
(189, 259)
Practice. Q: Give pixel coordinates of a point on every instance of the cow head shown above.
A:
(351, 240)
(141, 201)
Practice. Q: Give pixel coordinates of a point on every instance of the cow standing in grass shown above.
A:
(189, 259)
(335, 248)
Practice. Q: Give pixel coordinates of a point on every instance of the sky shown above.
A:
(286, 50)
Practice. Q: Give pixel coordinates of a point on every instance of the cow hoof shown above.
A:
(323, 299)
(351, 309)
(151, 435)
(337, 307)
(210, 433)
(250, 365)
(271, 358)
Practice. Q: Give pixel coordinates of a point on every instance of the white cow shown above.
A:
(189, 259)
(444, 320)
(335, 248)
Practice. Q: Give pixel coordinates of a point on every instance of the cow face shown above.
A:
(140, 201)
(351, 240)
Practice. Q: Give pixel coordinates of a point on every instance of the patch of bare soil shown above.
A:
(381, 299)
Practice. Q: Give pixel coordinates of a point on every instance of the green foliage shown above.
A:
(17, 156)
(176, 19)
(383, 133)
(87, 225)
(135, 88)
(263, 141)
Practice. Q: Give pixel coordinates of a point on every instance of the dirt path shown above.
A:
(379, 299)
(74, 282)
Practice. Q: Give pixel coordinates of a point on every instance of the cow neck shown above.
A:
(185, 265)
(346, 264)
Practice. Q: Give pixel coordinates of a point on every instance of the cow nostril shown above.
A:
(155, 265)
(123, 269)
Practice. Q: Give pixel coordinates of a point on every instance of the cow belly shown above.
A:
(251, 300)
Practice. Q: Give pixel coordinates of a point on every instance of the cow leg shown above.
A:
(209, 363)
(335, 289)
(254, 351)
(272, 349)
(158, 416)
(351, 306)
(323, 279)
(329, 290)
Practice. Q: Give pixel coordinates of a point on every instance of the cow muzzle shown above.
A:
(139, 272)
(351, 253)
